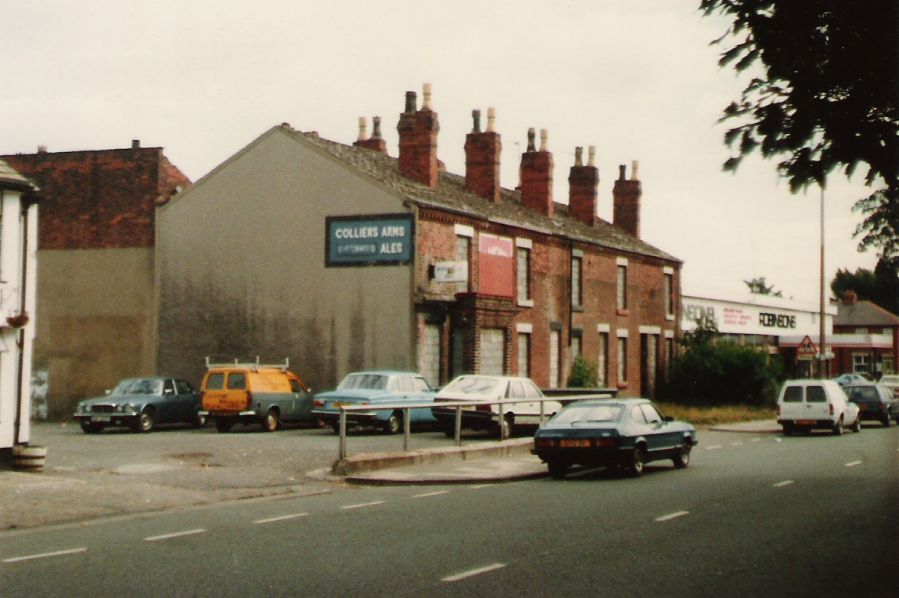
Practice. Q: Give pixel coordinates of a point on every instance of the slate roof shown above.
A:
(451, 195)
(864, 313)
(10, 178)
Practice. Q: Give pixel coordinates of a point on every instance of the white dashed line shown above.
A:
(362, 505)
(671, 516)
(479, 486)
(714, 447)
(190, 532)
(784, 483)
(44, 555)
(473, 572)
(427, 494)
(281, 518)
(853, 463)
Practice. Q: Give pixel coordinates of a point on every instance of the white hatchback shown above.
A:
(814, 404)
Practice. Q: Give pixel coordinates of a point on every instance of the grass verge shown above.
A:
(722, 414)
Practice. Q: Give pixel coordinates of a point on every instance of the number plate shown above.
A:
(574, 443)
(100, 418)
(806, 422)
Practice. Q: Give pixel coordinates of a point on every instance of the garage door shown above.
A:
(492, 345)
(429, 358)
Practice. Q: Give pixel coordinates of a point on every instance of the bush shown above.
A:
(583, 374)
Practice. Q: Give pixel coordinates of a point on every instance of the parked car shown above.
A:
(482, 387)
(808, 404)
(253, 393)
(891, 381)
(844, 379)
(141, 404)
(373, 388)
(620, 433)
(875, 401)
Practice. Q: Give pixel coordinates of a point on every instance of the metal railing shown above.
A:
(459, 407)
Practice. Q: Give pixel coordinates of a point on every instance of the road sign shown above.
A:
(806, 350)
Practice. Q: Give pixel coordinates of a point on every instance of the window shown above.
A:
(523, 274)
(420, 385)
(815, 394)
(169, 387)
(649, 412)
(669, 295)
(793, 394)
(524, 354)
(602, 369)
(554, 358)
(622, 360)
(861, 363)
(183, 387)
(215, 382)
(237, 381)
(622, 287)
(295, 386)
(577, 345)
(463, 254)
(576, 294)
(515, 391)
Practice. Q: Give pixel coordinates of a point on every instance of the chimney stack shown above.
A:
(850, 298)
(135, 144)
(626, 199)
(536, 175)
(482, 153)
(375, 142)
(418, 140)
(582, 184)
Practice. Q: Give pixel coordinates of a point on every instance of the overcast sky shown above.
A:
(635, 78)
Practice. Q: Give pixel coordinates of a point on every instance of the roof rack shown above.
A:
(249, 365)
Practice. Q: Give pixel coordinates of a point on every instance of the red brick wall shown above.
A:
(99, 199)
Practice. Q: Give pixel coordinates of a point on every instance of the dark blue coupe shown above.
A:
(619, 433)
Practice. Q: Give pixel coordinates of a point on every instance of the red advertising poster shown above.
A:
(496, 262)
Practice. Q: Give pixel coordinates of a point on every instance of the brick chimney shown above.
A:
(375, 142)
(850, 298)
(626, 199)
(537, 175)
(482, 151)
(418, 140)
(582, 183)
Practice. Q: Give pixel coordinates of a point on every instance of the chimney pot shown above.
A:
(426, 96)
(591, 155)
(411, 101)
(531, 135)
(635, 165)
(42, 149)
(578, 156)
(491, 119)
(376, 127)
(544, 144)
(363, 129)
(621, 174)
(476, 121)
(135, 144)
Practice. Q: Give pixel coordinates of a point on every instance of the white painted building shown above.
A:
(18, 263)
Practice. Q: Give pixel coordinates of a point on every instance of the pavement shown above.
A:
(67, 494)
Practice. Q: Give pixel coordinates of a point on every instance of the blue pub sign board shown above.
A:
(374, 240)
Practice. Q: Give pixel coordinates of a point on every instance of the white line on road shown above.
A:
(671, 516)
(361, 505)
(473, 572)
(189, 532)
(281, 518)
(756, 440)
(44, 555)
(853, 463)
(713, 447)
(427, 494)
(479, 486)
(736, 444)
(784, 483)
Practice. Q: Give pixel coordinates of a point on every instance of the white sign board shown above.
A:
(451, 271)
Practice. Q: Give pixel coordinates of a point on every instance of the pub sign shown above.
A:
(374, 240)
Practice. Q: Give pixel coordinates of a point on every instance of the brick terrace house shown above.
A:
(96, 309)
(866, 338)
(342, 257)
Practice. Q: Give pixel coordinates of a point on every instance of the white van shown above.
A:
(808, 404)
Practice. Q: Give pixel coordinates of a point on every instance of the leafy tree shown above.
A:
(825, 98)
(880, 286)
(583, 374)
(758, 286)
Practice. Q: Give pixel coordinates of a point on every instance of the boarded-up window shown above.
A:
(524, 354)
(492, 351)
(429, 358)
(554, 337)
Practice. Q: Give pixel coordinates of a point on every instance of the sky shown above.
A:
(636, 78)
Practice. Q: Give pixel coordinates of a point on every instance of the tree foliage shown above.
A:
(826, 96)
(880, 286)
(759, 286)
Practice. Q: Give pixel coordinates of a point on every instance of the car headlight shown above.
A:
(81, 408)
(125, 408)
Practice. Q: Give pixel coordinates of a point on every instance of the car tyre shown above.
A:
(393, 424)
(271, 421)
(91, 427)
(682, 456)
(788, 429)
(857, 426)
(223, 424)
(638, 461)
(145, 421)
(887, 422)
(838, 427)
(557, 469)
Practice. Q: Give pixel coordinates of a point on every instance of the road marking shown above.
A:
(473, 572)
(713, 447)
(784, 483)
(671, 516)
(427, 494)
(281, 518)
(756, 440)
(189, 532)
(736, 444)
(44, 555)
(853, 463)
(361, 505)
(479, 486)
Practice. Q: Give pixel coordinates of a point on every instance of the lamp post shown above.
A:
(822, 354)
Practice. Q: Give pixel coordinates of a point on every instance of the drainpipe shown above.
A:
(20, 344)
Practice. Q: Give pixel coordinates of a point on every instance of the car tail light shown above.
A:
(604, 442)
(483, 408)
(249, 400)
(831, 408)
(779, 411)
(544, 442)
(318, 403)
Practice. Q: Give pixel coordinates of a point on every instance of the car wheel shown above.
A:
(271, 422)
(857, 426)
(638, 461)
(91, 428)
(145, 422)
(557, 469)
(788, 429)
(393, 424)
(838, 427)
(198, 421)
(223, 424)
(682, 456)
(887, 422)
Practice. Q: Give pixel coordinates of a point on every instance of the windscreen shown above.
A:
(138, 386)
(863, 393)
(589, 414)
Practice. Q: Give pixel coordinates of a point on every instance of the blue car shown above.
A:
(619, 433)
(141, 403)
(372, 388)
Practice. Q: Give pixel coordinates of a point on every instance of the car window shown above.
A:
(474, 385)
(419, 384)
(863, 393)
(237, 381)
(138, 386)
(215, 381)
(405, 384)
(531, 391)
(649, 412)
(169, 387)
(183, 387)
(637, 415)
(793, 394)
(815, 394)
(516, 390)
(366, 381)
(295, 386)
(589, 414)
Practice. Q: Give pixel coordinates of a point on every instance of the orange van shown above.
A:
(251, 393)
